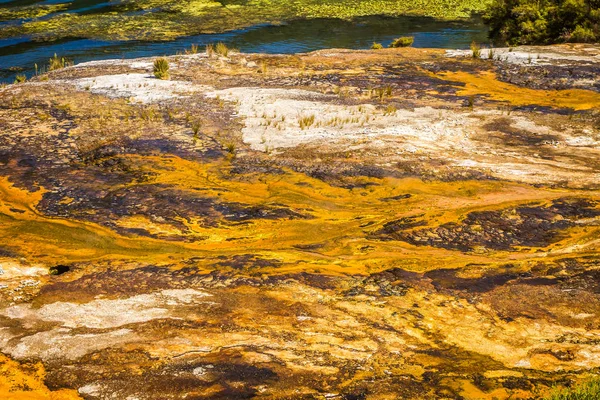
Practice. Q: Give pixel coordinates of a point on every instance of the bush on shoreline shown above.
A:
(544, 21)
(404, 41)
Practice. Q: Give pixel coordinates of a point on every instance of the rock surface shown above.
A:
(342, 224)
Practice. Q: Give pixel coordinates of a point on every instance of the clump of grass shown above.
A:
(589, 390)
(471, 102)
(57, 62)
(210, 50)
(475, 50)
(161, 68)
(390, 110)
(263, 68)
(20, 78)
(376, 46)
(222, 49)
(193, 49)
(306, 121)
(230, 147)
(196, 126)
(491, 53)
(404, 41)
(382, 92)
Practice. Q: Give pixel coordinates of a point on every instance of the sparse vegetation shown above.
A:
(262, 67)
(471, 102)
(222, 49)
(161, 68)
(390, 110)
(20, 78)
(475, 50)
(306, 121)
(589, 390)
(210, 50)
(196, 126)
(376, 46)
(57, 62)
(404, 41)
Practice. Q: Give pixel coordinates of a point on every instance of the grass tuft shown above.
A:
(57, 62)
(196, 126)
(222, 49)
(210, 50)
(376, 46)
(161, 68)
(306, 121)
(475, 50)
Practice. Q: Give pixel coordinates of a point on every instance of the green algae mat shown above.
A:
(167, 20)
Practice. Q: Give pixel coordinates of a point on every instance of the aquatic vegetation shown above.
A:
(404, 41)
(161, 68)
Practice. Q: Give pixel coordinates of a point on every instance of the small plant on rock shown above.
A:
(196, 125)
(377, 46)
(222, 49)
(306, 121)
(20, 78)
(475, 50)
(161, 68)
(210, 50)
(230, 147)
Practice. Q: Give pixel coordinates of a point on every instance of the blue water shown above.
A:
(18, 55)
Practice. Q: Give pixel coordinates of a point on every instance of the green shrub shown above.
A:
(161, 68)
(377, 46)
(404, 41)
(582, 35)
(20, 78)
(589, 390)
(543, 21)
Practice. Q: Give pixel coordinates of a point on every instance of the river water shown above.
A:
(19, 54)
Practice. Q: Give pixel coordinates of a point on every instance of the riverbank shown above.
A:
(338, 224)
